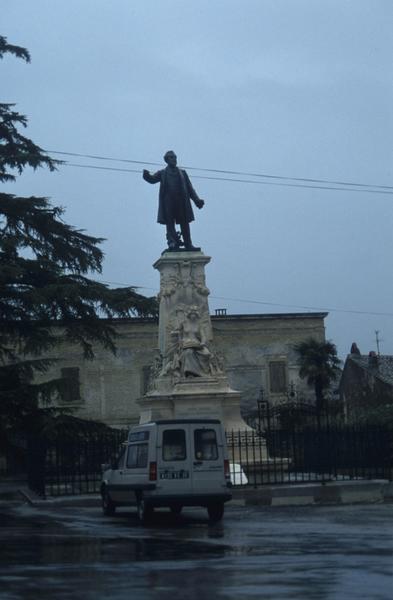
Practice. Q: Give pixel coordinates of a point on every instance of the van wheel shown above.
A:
(108, 506)
(215, 511)
(144, 511)
(176, 509)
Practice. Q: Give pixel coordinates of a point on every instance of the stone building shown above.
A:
(366, 384)
(257, 351)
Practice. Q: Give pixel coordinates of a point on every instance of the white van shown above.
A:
(174, 463)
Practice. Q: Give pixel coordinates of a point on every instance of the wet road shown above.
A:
(255, 552)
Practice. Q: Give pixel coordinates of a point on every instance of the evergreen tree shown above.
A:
(45, 266)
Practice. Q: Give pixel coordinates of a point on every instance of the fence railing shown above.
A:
(310, 454)
(72, 465)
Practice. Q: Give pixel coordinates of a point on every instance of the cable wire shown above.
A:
(226, 172)
(262, 302)
(296, 185)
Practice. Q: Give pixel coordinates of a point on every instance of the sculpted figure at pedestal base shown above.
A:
(189, 354)
(195, 357)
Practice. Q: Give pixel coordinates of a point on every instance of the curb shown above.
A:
(327, 493)
(83, 500)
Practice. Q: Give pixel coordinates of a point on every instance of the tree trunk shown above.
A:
(319, 401)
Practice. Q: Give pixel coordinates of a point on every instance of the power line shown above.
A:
(319, 308)
(247, 301)
(296, 185)
(69, 164)
(226, 172)
(96, 157)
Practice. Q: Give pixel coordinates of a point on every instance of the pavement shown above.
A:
(324, 493)
(335, 552)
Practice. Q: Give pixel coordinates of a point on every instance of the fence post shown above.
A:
(36, 458)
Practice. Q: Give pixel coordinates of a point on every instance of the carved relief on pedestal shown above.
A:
(185, 278)
(187, 377)
(154, 372)
(200, 286)
(169, 283)
(189, 352)
(185, 331)
(182, 284)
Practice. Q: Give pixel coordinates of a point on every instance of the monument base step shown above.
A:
(223, 405)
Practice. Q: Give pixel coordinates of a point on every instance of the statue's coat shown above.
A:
(187, 189)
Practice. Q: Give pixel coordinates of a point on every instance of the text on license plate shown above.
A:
(182, 474)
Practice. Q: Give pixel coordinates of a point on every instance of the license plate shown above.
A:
(175, 474)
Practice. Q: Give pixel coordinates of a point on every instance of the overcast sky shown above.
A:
(294, 88)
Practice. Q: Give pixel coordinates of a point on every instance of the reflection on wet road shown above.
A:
(256, 552)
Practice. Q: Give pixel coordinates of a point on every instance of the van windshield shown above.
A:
(205, 444)
(174, 444)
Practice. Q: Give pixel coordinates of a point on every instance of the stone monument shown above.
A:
(188, 378)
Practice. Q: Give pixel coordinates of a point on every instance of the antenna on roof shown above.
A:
(378, 340)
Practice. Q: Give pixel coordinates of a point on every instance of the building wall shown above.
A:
(109, 385)
(250, 343)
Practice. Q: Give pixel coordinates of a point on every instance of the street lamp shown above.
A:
(292, 392)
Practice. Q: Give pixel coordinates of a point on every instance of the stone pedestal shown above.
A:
(196, 401)
(188, 378)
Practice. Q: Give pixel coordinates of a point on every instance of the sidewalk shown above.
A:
(333, 492)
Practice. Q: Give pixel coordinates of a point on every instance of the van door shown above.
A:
(174, 459)
(207, 458)
(116, 477)
(135, 472)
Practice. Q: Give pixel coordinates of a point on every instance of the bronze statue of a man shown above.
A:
(174, 201)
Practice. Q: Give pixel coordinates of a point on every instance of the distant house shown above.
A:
(366, 383)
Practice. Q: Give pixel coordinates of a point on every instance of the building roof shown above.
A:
(269, 316)
(236, 317)
(381, 366)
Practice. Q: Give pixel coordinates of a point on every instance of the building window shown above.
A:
(70, 389)
(278, 377)
(145, 379)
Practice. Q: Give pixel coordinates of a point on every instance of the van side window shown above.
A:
(174, 444)
(205, 444)
(137, 456)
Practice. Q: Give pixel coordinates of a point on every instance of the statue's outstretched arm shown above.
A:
(193, 195)
(151, 177)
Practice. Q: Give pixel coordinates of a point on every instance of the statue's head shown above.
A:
(193, 313)
(170, 158)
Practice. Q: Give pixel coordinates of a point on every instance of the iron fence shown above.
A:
(71, 465)
(310, 454)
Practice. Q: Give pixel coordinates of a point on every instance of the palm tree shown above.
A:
(319, 365)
